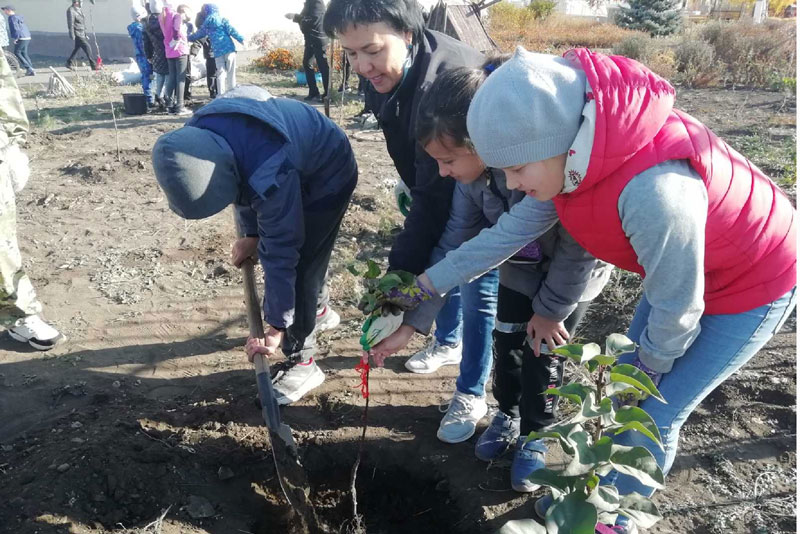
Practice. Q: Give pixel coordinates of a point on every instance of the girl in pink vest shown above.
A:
(649, 189)
(176, 48)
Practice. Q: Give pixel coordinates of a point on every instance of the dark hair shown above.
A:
(443, 108)
(400, 15)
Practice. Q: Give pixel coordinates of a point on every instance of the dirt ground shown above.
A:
(145, 420)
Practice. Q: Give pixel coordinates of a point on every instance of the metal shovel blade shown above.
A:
(291, 475)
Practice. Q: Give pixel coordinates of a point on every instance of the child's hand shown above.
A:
(543, 330)
(268, 345)
(243, 248)
(395, 342)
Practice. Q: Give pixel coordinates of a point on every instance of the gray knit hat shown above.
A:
(528, 110)
(196, 169)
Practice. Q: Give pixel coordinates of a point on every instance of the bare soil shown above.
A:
(145, 420)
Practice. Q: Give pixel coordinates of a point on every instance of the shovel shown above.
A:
(291, 475)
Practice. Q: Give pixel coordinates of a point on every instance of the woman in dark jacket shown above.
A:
(387, 43)
(154, 50)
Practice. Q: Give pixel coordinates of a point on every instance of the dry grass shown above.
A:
(714, 53)
(510, 26)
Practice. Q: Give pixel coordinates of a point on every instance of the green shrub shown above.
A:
(694, 61)
(541, 9)
(754, 55)
(638, 47)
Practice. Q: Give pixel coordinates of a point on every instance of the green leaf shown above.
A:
(634, 418)
(618, 344)
(620, 389)
(574, 391)
(639, 463)
(571, 515)
(587, 455)
(373, 270)
(577, 352)
(604, 498)
(560, 432)
(590, 410)
(353, 269)
(592, 482)
(406, 277)
(389, 282)
(602, 359)
(640, 509)
(555, 479)
(629, 374)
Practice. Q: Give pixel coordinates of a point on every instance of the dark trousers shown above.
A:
(520, 378)
(322, 227)
(81, 43)
(176, 79)
(211, 76)
(187, 86)
(21, 51)
(316, 48)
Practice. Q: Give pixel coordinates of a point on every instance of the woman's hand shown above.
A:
(543, 330)
(243, 248)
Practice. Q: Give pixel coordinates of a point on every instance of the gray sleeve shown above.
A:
(466, 220)
(526, 221)
(569, 274)
(663, 212)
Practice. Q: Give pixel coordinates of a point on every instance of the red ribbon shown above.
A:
(363, 370)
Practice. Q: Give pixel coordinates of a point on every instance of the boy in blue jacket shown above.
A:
(19, 33)
(136, 33)
(221, 34)
(290, 172)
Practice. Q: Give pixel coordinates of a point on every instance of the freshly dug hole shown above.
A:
(401, 494)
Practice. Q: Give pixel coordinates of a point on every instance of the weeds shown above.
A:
(715, 53)
(510, 26)
(775, 157)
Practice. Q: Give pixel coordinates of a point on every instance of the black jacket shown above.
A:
(76, 23)
(154, 45)
(310, 20)
(396, 112)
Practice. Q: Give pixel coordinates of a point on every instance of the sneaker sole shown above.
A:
(313, 381)
(36, 344)
(463, 438)
(526, 488)
(428, 370)
(495, 457)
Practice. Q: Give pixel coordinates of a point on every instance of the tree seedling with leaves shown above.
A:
(580, 499)
(386, 296)
(384, 301)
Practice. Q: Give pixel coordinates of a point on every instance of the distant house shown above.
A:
(48, 22)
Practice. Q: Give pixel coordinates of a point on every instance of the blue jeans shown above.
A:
(725, 344)
(468, 317)
(21, 51)
(146, 71)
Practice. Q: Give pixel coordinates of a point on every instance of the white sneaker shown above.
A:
(462, 417)
(435, 355)
(327, 319)
(297, 381)
(36, 333)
